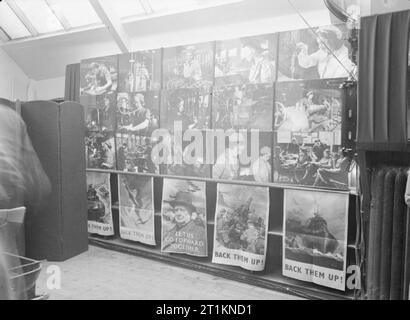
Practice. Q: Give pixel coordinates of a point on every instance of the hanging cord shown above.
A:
(352, 75)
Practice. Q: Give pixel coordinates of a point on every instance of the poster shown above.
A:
(136, 200)
(186, 109)
(315, 237)
(246, 60)
(99, 76)
(247, 156)
(100, 150)
(323, 53)
(99, 204)
(140, 71)
(134, 153)
(184, 224)
(243, 107)
(138, 113)
(241, 226)
(100, 112)
(189, 66)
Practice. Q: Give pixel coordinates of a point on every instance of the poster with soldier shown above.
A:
(99, 75)
(247, 157)
(136, 200)
(99, 204)
(100, 112)
(138, 113)
(190, 66)
(100, 150)
(243, 107)
(315, 237)
(241, 226)
(140, 71)
(184, 223)
(134, 153)
(308, 106)
(320, 53)
(249, 60)
(189, 108)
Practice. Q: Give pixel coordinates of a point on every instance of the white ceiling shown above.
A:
(47, 56)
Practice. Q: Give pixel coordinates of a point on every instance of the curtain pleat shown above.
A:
(72, 83)
(382, 111)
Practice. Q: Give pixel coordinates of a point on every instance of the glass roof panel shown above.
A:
(128, 8)
(40, 15)
(11, 24)
(78, 13)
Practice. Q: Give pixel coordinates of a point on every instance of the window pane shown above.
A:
(77, 12)
(40, 15)
(127, 8)
(11, 24)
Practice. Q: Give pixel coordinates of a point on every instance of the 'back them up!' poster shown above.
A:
(315, 237)
(241, 226)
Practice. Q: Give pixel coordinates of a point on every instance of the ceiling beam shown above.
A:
(59, 15)
(113, 23)
(23, 18)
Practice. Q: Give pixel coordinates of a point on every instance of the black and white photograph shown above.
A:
(188, 66)
(99, 76)
(134, 153)
(140, 71)
(185, 109)
(99, 208)
(246, 157)
(100, 112)
(246, 60)
(184, 222)
(308, 106)
(241, 226)
(243, 107)
(317, 53)
(204, 150)
(138, 113)
(315, 237)
(100, 150)
(136, 202)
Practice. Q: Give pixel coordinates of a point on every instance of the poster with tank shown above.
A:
(249, 60)
(184, 222)
(138, 112)
(134, 153)
(189, 66)
(100, 219)
(140, 71)
(184, 109)
(318, 53)
(243, 107)
(241, 226)
(315, 237)
(100, 112)
(246, 156)
(99, 75)
(100, 150)
(136, 202)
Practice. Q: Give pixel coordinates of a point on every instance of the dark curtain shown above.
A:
(383, 65)
(72, 83)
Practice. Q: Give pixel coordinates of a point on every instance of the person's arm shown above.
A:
(307, 61)
(107, 76)
(407, 193)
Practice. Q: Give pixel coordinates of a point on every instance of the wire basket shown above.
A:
(23, 275)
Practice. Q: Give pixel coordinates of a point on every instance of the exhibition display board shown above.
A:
(153, 119)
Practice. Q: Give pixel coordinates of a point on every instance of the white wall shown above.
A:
(13, 81)
(50, 88)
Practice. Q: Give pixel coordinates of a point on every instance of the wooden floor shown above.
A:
(103, 274)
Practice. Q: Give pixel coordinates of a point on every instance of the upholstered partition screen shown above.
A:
(59, 231)
(383, 65)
